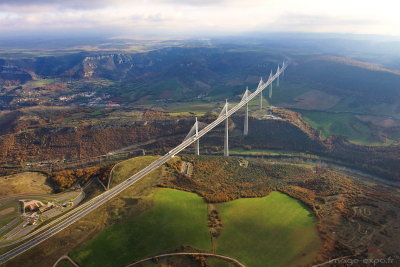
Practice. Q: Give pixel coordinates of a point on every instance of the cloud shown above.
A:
(22, 4)
(98, 4)
(303, 22)
(194, 2)
(201, 16)
(313, 20)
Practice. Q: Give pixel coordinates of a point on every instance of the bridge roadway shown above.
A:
(82, 210)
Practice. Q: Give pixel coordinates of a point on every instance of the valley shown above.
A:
(316, 177)
(330, 205)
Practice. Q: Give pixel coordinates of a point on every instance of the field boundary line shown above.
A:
(66, 257)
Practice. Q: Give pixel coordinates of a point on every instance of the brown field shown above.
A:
(364, 65)
(235, 82)
(40, 108)
(379, 121)
(252, 79)
(23, 183)
(314, 100)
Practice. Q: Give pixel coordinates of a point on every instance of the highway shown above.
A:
(74, 215)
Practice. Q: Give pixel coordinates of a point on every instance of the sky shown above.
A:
(198, 17)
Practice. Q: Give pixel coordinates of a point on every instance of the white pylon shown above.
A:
(260, 83)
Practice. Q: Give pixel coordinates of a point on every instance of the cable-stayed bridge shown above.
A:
(194, 134)
(57, 225)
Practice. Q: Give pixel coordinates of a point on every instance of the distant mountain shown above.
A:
(209, 73)
(191, 71)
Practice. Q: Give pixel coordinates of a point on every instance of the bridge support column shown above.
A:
(226, 148)
(197, 147)
(270, 91)
(278, 71)
(246, 120)
(197, 143)
(226, 144)
(261, 98)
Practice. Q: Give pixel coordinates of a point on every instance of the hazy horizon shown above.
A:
(179, 18)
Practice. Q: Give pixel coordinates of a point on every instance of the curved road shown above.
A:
(234, 261)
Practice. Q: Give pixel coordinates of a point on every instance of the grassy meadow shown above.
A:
(198, 108)
(276, 230)
(271, 231)
(176, 218)
(127, 168)
(346, 124)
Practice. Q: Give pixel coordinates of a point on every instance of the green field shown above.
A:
(215, 262)
(64, 263)
(185, 261)
(268, 152)
(385, 109)
(188, 108)
(201, 108)
(254, 104)
(176, 218)
(8, 211)
(271, 231)
(340, 124)
(287, 91)
(127, 168)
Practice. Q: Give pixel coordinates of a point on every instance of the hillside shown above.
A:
(178, 73)
(24, 183)
(341, 201)
(91, 138)
(336, 95)
(169, 73)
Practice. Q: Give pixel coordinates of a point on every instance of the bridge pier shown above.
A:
(226, 144)
(246, 120)
(270, 92)
(278, 75)
(197, 143)
(261, 104)
(197, 147)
